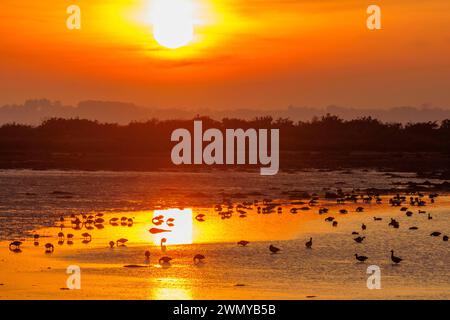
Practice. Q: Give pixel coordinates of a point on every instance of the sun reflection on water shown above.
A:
(172, 289)
(171, 294)
(175, 226)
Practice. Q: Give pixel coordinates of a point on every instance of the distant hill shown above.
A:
(33, 112)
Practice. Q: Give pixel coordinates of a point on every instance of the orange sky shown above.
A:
(246, 53)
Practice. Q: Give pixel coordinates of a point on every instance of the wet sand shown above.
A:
(327, 271)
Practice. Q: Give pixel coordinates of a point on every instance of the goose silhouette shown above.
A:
(360, 258)
(200, 217)
(309, 243)
(87, 236)
(130, 222)
(274, 249)
(363, 227)
(445, 238)
(395, 260)
(243, 243)
(147, 255)
(198, 259)
(163, 244)
(69, 237)
(122, 242)
(49, 248)
(394, 223)
(113, 221)
(359, 239)
(377, 219)
(165, 261)
(111, 244)
(99, 221)
(15, 245)
(435, 234)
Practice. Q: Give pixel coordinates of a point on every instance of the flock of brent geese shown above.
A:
(226, 210)
(396, 201)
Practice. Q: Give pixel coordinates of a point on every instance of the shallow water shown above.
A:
(328, 270)
(30, 199)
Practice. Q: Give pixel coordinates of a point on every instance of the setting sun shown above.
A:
(244, 154)
(173, 22)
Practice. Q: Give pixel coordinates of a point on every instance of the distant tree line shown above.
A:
(328, 133)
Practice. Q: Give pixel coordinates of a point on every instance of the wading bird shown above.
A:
(198, 259)
(87, 237)
(274, 249)
(165, 261)
(360, 258)
(395, 259)
(113, 220)
(309, 243)
(200, 217)
(49, 248)
(359, 239)
(15, 245)
(122, 242)
(163, 244)
(243, 243)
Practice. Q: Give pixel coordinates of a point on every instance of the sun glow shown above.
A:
(179, 230)
(173, 22)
